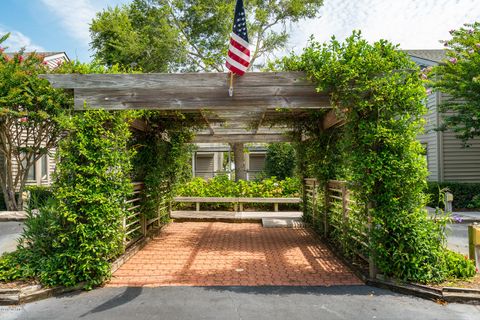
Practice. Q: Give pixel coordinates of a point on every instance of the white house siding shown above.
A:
(204, 165)
(40, 180)
(430, 138)
(256, 164)
(459, 163)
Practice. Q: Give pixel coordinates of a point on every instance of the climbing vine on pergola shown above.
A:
(373, 90)
(378, 92)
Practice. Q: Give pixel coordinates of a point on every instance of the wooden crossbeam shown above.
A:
(234, 138)
(192, 91)
(139, 125)
(331, 119)
(174, 80)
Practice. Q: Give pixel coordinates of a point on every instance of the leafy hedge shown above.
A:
(378, 90)
(280, 160)
(163, 160)
(221, 186)
(74, 238)
(465, 195)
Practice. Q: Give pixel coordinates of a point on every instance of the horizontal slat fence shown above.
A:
(334, 212)
(135, 223)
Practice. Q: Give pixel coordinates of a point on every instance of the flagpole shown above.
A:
(230, 90)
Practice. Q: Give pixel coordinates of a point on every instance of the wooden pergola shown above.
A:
(260, 99)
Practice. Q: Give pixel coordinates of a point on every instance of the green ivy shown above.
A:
(74, 238)
(280, 160)
(380, 93)
(163, 160)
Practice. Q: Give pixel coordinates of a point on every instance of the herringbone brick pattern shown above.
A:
(230, 254)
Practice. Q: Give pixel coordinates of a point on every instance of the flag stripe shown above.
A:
(238, 59)
(234, 69)
(240, 41)
(236, 64)
(239, 47)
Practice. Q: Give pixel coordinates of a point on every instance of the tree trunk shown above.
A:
(239, 160)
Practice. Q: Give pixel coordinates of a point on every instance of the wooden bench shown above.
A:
(238, 202)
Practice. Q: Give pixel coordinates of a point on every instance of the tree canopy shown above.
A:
(31, 112)
(459, 77)
(191, 35)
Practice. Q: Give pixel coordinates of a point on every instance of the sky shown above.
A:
(62, 25)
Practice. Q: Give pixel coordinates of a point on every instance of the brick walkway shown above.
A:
(233, 254)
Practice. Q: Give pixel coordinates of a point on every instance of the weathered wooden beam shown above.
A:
(139, 125)
(210, 128)
(331, 119)
(191, 91)
(175, 80)
(183, 99)
(233, 138)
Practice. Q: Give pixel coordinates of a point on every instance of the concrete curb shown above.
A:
(13, 216)
(33, 293)
(446, 294)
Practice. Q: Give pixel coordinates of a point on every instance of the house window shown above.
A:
(44, 166)
(38, 172)
(32, 174)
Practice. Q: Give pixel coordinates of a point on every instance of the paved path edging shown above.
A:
(447, 294)
(13, 215)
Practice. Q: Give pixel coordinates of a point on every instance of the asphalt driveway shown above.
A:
(276, 303)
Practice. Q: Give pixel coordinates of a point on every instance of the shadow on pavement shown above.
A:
(125, 297)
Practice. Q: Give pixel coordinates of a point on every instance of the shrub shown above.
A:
(280, 160)
(39, 196)
(459, 266)
(222, 186)
(465, 195)
(74, 238)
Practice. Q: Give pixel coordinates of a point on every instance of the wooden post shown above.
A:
(124, 224)
(197, 206)
(344, 211)
(372, 268)
(143, 224)
(325, 212)
(474, 243)
(275, 207)
(314, 202)
(241, 206)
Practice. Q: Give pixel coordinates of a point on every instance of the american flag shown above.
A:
(238, 58)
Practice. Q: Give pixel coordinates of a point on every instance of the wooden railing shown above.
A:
(333, 210)
(135, 224)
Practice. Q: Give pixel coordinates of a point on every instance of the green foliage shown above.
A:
(222, 186)
(459, 77)
(173, 35)
(31, 112)
(465, 195)
(73, 239)
(380, 93)
(163, 160)
(459, 266)
(280, 160)
(39, 196)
